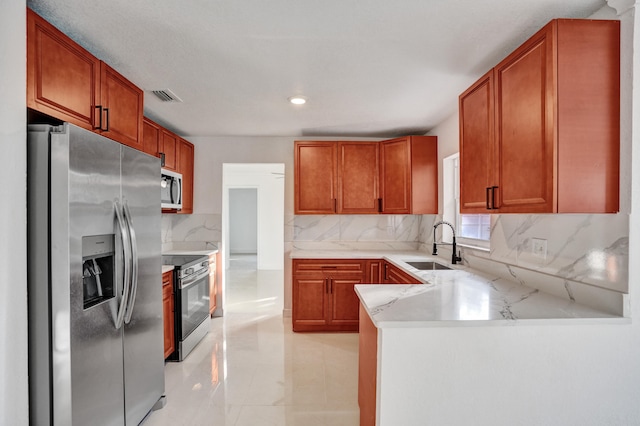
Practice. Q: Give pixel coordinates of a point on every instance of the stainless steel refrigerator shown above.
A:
(94, 279)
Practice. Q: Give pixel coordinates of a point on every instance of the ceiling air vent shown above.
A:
(166, 95)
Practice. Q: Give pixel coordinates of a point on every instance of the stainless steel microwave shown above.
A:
(171, 190)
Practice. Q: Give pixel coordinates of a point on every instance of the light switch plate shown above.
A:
(539, 248)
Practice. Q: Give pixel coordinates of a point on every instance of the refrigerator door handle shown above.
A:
(126, 278)
(134, 263)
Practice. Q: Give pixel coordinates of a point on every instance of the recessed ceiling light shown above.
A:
(298, 100)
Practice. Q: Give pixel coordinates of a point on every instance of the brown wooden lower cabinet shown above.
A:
(324, 298)
(168, 308)
(394, 275)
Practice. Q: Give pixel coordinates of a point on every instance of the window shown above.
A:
(471, 229)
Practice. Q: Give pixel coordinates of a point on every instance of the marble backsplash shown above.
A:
(357, 228)
(180, 231)
(587, 249)
(587, 256)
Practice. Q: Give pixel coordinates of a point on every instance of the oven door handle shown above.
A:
(187, 282)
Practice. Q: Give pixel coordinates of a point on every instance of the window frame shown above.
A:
(451, 208)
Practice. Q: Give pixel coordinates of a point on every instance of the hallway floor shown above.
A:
(252, 370)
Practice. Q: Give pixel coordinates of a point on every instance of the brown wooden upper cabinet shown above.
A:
(540, 132)
(316, 176)
(179, 157)
(158, 141)
(186, 165)
(66, 82)
(397, 176)
(409, 175)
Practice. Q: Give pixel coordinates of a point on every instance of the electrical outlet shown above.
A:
(539, 248)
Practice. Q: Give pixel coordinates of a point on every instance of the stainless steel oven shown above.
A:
(191, 283)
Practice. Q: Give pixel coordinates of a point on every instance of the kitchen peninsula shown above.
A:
(453, 350)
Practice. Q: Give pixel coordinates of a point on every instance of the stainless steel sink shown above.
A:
(427, 266)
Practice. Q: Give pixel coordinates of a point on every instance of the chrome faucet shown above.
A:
(455, 258)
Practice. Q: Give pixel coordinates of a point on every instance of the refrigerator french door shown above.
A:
(94, 277)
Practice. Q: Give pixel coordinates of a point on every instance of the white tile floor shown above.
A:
(252, 370)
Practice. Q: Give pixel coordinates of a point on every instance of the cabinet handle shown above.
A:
(99, 126)
(106, 110)
(493, 198)
(326, 285)
(487, 197)
(386, 277)
(379, 205)
(335, 205)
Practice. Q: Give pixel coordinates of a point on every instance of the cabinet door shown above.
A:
(309, 304)
(374, 271)
(63, 79)
(186, 156)
(524, 152)
(168, 314)
(315, 180)
(150, 137)
(395, 176)
(358, 174)
(170, 147)
(476, 109)
(122, 104)
(344, 306)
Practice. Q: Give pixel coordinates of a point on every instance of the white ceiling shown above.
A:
(377, 68)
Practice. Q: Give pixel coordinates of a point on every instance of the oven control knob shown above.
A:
(189, 271)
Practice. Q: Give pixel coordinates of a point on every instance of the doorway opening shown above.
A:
(253, 237)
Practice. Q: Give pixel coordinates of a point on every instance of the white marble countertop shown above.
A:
(167, 268)
(457, 297)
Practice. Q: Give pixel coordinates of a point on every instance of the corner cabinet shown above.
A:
(391, 274)
(168, 313)
(68, 83)
(409, 175)
(398, 176)
(540, 132)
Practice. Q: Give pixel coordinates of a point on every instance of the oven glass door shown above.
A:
(194, 305)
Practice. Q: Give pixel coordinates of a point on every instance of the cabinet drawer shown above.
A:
(328, 265)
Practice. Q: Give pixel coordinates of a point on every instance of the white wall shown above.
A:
(13, 258)
(243, 220)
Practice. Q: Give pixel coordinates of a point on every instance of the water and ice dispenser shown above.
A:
(98, 269)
